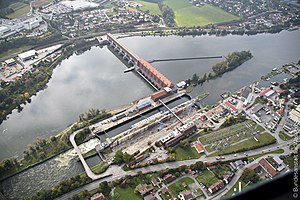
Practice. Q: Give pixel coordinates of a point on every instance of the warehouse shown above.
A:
(27, 55)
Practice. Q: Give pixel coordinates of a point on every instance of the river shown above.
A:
(95, 79)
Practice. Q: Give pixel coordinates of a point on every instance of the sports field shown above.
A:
(186, 14)
(152, 7)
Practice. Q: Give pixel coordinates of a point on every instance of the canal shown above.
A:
(95, 79)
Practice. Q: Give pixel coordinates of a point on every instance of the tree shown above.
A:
(250, 176)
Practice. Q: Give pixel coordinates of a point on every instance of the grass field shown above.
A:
(19, 10)
(186, 153)
(125, 194)
(278, 151)
(152, 7)
(263, 140)
(177, 187)
(100, 168)
(284, 136)
(236, 186)
(207, 178)
(186, 14)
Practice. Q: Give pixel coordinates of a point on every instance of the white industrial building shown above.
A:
(79, 4)
(27, 55)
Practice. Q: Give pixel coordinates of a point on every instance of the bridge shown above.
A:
(149, 73)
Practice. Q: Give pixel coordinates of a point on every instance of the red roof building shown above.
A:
(264, 92)
(268, 167)
(229, 105)
(153, 74)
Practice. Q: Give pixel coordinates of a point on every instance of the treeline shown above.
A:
(232, 61)
(167, 14)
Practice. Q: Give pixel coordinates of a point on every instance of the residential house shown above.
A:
(144, 189)
(186, 195)
(98, 196)
(216, 186)
(169, 178)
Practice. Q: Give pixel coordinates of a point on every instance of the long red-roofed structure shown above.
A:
(153, 74)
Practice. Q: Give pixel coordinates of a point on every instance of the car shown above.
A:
(234, 155)
(222, 157)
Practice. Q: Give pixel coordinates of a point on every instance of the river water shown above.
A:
(95, 79)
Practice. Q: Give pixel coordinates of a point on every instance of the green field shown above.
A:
(19, 10)
(284, 136)
(125, 194)
(177, 187)
(186, 14)
(186, 153)
(207, 178)
(152, 7)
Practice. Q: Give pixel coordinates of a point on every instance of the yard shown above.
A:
(186, 153)
(125, 194)
(152, 7)
(207, 178)
(19, 10)
(177, 187)
(284, 136)
(186, 14)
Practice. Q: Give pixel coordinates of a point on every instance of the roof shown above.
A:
(149, 197)
(231, 106)
(268, 167)
(155, 72)
(245, 93)
(199, 148)
(144, 188)
(98, 196)
(27, 54)
(277, 160)
(257, 108)
(187, 194)
(264, 92)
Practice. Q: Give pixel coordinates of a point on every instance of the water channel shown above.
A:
(95, 79)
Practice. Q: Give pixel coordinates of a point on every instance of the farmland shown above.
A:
(186, 14)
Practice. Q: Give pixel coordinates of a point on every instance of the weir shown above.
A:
(143, 68)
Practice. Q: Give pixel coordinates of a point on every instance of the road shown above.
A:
(117, 172)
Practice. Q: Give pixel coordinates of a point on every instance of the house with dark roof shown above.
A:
(156, 181)
(216, 186)
(186, 195)
(144, 189)
(169, 178)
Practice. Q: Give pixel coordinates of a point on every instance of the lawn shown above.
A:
(207, 178)
(186, 153)
(186, 14)
(236, 186)
(100, 168)
(278, 151)
(19, 10)
(177, 187)
(263, 140)
(125, 194)
(152, 7)
(284, 136)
